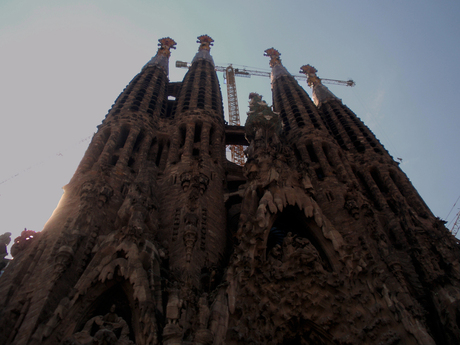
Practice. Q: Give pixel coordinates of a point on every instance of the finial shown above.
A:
(320, 92)
(204, 51)
(312, 78)
(274, 56)
(278, 69)
(166, 44)
(205, 42)
(161, 59)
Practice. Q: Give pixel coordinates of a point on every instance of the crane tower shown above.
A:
(234, 114)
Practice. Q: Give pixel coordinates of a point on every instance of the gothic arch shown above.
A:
(98, 302)
(125, 273)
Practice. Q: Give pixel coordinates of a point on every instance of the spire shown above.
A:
(321, 93)
(275, 63)
(204, 49)
(162, 57)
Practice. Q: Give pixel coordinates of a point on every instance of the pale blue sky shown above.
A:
(63, 63)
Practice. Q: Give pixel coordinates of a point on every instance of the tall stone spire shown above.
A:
(196, 233)
(200, 87)
(275, 63)
(321, 93)
(297, 111)
(204, 49)
(164, 52)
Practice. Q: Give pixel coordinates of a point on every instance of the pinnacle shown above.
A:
(321, 93)
(278, 69)
(161, 58)
(204, 50)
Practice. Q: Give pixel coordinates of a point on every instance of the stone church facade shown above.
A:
(158, 239)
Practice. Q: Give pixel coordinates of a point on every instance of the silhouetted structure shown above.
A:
(158, 239)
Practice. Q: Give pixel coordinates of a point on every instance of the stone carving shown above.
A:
(172, 333)
(205, 42)
(59, 314)
(98, 189)
(299, 252)
(197, 181)
(109, 329)
(174, 306)
(351, 204)
(134, 213)
(65, 248)
(190, 233)
(194, 184)
(204, 217)
(176, 224)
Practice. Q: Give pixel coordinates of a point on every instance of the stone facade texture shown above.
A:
(158, 239)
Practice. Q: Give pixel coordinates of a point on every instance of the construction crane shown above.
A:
(237, 152)
(456, 226)
(456, 220)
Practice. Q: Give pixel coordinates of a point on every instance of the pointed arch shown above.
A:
(293, 220)
(122, 273)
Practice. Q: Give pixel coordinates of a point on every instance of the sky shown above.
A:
(63, 64)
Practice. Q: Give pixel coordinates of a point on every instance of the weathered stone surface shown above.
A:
(319, 239)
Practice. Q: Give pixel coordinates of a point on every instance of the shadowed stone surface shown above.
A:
(158, 239)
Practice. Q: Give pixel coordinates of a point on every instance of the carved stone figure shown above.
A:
(204, 311)
(174, 306)
(190, 233)
(108, 329)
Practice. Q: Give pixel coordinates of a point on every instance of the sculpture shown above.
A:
(108, 329)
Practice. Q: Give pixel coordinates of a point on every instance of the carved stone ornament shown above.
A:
(107, 329)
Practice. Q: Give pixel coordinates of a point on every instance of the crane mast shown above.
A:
(233, 113)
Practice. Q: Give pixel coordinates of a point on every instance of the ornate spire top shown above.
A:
(164, 52)
(275, 63)
(205, 42)
(321, 93)
(166, 44)
(310, 71)
(274, 56)
(204, 50)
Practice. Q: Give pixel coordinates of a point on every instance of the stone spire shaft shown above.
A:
(373, 165)
(200, 87)
(278, 69)
(196, 231)
(146, 97)
(297, 111)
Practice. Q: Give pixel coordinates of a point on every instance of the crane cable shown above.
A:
(455, 218)
(45, 160)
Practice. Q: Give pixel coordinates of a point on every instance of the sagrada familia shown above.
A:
(319, 238)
